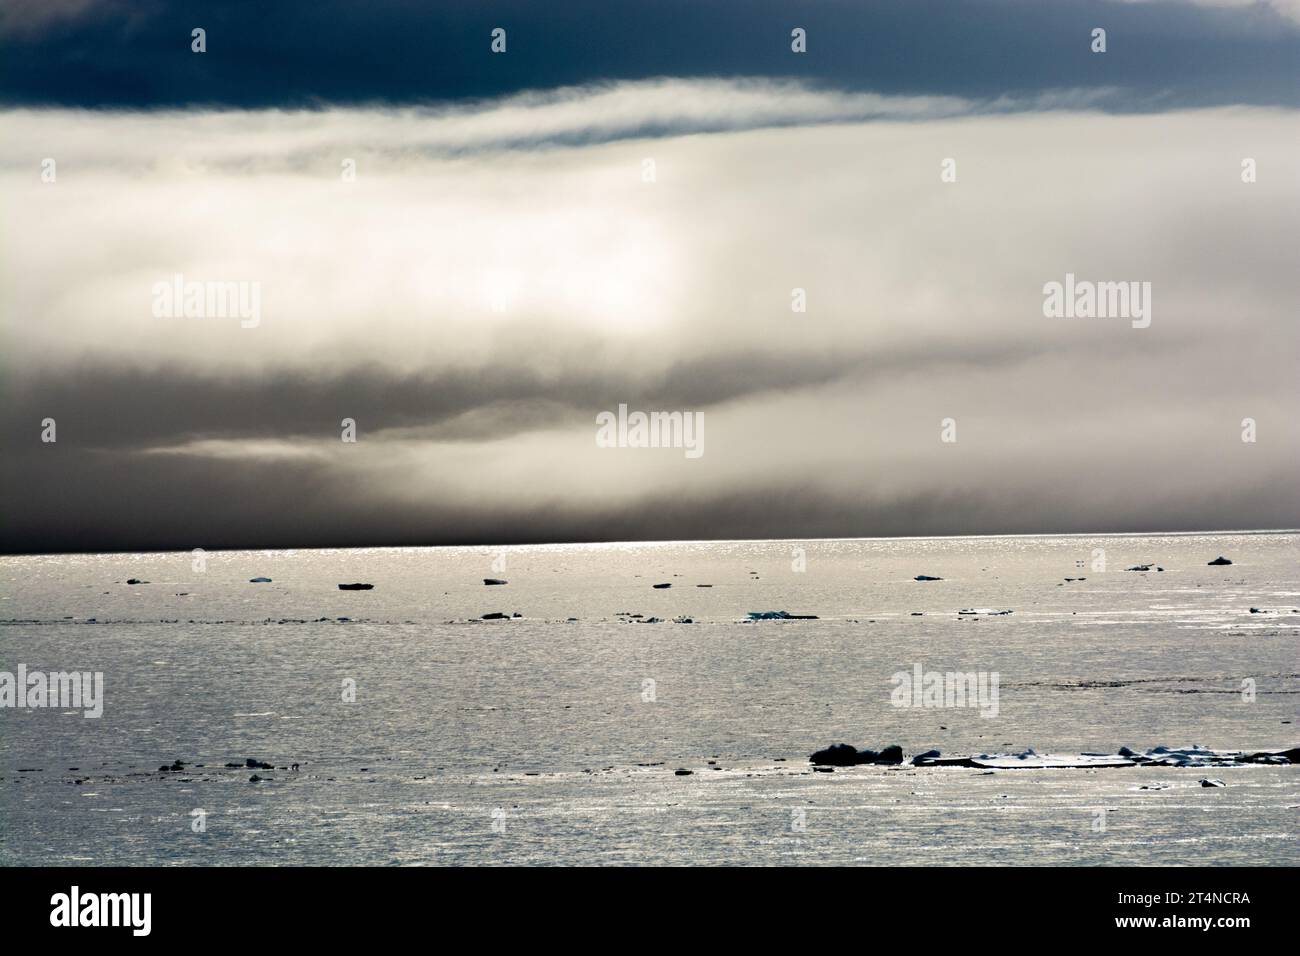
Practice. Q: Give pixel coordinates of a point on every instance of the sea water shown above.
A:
(424, 734)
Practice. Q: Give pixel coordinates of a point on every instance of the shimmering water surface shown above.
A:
(545, 739)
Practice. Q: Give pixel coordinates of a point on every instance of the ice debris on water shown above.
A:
(844, 755)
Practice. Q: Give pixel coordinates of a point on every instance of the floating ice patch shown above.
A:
(1033, 761)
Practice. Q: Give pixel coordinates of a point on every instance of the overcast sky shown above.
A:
(499, 272)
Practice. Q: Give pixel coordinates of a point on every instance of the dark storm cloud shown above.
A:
(134, 408)
(102, 53)
(112, 408)
(181, 503)
(1040, 472)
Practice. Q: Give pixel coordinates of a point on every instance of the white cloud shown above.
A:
(1290, 9)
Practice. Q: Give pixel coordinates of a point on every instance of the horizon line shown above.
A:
(664, 542)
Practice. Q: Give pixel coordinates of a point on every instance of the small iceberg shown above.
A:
(926, 577)
(356, 587)
(259, 580)
(491, 581)
(780, 616)
(1220, 560)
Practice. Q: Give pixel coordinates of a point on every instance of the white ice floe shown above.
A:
(1034, 761)
(1193, 756)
